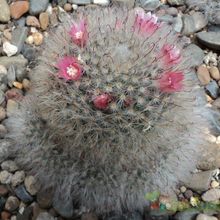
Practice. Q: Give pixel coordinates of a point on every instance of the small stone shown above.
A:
(2, 203)
(36, 7)
(188, 194)
(214, 184)
(38, 39)
(45, 216)
(9, 165)
(178, 24)
(214, 72)
(203, 75)
(18, 8)
(3, 190)
(189, 214)
(205, 217)
(2, 113)
(9, 49)
(19, 35)
(80, 2)
(53, 19)
(12, 203)
(18, 61)
(212, 89)
(25, 214)
(5, 11)
(12, 107)
(3, 70)
(5, 177)
(26, 84)
(18, 178)
(211, 195)
(5, 215)
(14, 94)
(149, 4)
(31, 185)
(172, 11)
(201, 181)
(18, 85)
(23, 195)
(32, 21)
(89, 216)
(29, 40)
(183, 189)
(3, 131)
(101, 2)
(11, 75)
(68, 7)
(61, 3)
(7, 34)
(75, 7)
(44, 198)
(13, 217)
(209, 39)
(44, 20)
(176, 2)
(193, 23)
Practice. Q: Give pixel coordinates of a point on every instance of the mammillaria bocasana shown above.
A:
(113, 113)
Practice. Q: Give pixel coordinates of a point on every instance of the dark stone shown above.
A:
(23, 195)
(44, 198)
(2, 203)
(214, 28)
(29, 52)
(209, 39)
(26, 215)
(212, 89)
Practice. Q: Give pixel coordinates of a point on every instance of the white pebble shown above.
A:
(9, 49)
(214, 184)
(101, 2)
(74, 6)
(49, 9)
(5, 177)
(29, 40)
(205, 217)
(33, 30)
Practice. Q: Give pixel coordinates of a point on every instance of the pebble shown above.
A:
(18, 178)
(38, 38)
(3, 70)
(205, 217)
(183, 189)
(2, 203)
(44, 198)
(12, 203)
(193, 23)
(3, 131)
(176, 2)
(3, 190)
(149, 4)
(32, 21)
(212, 89)
(2, 113)
(11, 75)
(19, 34)
(188, 194)
(101, 2)
(9, 49)
(18, 61)
(45, 216)
(61, 3)
(36, 7)
(9, 165)
(189, 214)
(5, 177)
(80, 2)
(196, 54)
(18, 85)
(214, 72)
(214, 184)
(209, 39)
(211, 58)
(211, 195)
(172, 11)
(12, 107)
(7, 34)
(29, 40)
(68, 7)
(89, 216)
(44, 20)
(5, 11)
(32, 186)
(23, 195)
(201, 181)
(5, 215)
(18, 8)
(14, 94)
(203, 75)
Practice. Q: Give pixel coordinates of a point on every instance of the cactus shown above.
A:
(113, 113)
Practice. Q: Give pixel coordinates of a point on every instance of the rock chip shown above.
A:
(12, 203)
(209, 39)
(5, 11)
(203, 75)
(5, 177)
(193, 23)
(9, 49)
(149, 4)
(17, 178)
(211, 195)
(9, 165)
(214, 72)
(205, 217)
(36, 7)
(2, 113)
(31, 184)
(201, 181)
(212, 89)
(44, 20)
(18, 8)
(45, 216)
(23, 195)
(32, 21)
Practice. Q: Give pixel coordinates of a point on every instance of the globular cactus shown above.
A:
(113, 113)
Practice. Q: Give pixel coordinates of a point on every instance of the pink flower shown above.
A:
(146, 23)
(69, 68)
(171, 82)
(101, 101)
(79, 34)
(171, 54)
